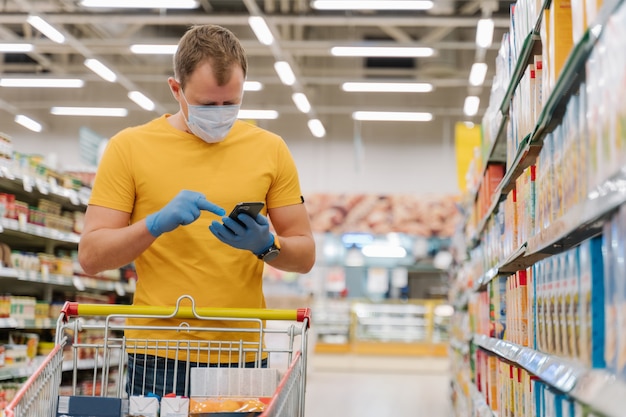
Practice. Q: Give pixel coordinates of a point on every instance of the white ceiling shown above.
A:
(305, 37)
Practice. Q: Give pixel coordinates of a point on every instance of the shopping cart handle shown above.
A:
(73, 309)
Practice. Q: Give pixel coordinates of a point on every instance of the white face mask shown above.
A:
(211, 123)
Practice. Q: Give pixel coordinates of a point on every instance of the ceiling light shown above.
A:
(301, 102)
(388, 116)
(16, 47)
(261, 30)
(382, 51)
(141, 100)
(371, 5)
(252, 86)
(383, 251)
(42, 82)
(317, 128)
(387, 87)
(153, 49)
(102, 70)
(28, 123)
(45, 28)
(478, 73)
(285, 73)
(484, 33)
(470, 108)
(141, 4)
(258, 114)
(89, 111)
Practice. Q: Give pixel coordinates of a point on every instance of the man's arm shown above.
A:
(108, 242)
(297, 246)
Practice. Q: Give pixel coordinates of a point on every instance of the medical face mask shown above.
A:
(211, 123)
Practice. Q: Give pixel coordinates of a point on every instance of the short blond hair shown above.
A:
(214, 43)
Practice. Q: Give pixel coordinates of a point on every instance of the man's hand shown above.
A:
(254, 236)
(182, 210)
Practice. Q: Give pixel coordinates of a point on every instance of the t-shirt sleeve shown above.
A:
(114, 186)
(285, 189)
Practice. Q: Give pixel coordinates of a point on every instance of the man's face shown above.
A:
(202, 88)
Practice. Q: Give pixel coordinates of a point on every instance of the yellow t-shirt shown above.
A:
(144, 167)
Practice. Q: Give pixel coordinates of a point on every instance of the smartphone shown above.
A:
(250, 208)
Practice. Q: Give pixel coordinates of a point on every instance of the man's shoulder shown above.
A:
(248, 129)
(139, 131)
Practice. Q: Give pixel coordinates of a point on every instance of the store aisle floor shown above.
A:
(378, 387)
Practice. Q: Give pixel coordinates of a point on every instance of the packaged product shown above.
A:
(610, 296)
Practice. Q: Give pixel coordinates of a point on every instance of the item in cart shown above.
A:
(83, 406)
(143, 406)
(220, 405)
(240, 382)
(175, 406)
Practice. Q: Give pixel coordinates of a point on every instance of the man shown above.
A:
(162, 187)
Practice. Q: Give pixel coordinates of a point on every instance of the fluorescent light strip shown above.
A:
(28, 123)
(382, 51)
(46, 28)
(153, 49)
(102, 70)
(252, 86)
(89, 111)
(478, 73)
(258, 114)
(382, 251)
(141, 4)
(141, 100)
(383, 116)
(387, 87)
(42, 82)
(16, 47)
(261, 30)
(470, 108)
(301, 102)
(484, 33)
(371, 5)
(317, 128)
(285, 73)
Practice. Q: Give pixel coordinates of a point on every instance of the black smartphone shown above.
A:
(251, 208)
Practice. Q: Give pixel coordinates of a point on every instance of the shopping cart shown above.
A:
(276, 334)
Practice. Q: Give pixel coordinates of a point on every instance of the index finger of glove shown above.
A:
(204, 204)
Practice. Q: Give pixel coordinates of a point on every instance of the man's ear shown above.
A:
(174, 87)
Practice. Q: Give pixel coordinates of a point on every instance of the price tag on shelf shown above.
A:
(73, 196)
(42, 186)
(119, 289)
(78, 283)
(52, 183)
(27, 183)
(45, 273)
(22, 220)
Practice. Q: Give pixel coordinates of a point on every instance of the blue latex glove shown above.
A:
(181, 210)
(254, 236)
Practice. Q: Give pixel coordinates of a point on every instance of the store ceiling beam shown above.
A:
(440, 33)
(242, 20)
(252, 47)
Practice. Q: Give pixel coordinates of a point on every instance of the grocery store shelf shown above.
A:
(27, 324)
(481, 408)
(37, 188)
(520, 259)
(583, 220)
(602, 391)
(557, 372)
(80, 283)
(530, 48)
(18, 371)
(15, 227)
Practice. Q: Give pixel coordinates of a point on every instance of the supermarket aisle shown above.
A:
(378, 387)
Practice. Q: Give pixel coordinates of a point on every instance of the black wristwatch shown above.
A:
(270, 253)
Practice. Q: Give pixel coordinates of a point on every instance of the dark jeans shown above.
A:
(158, 375)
